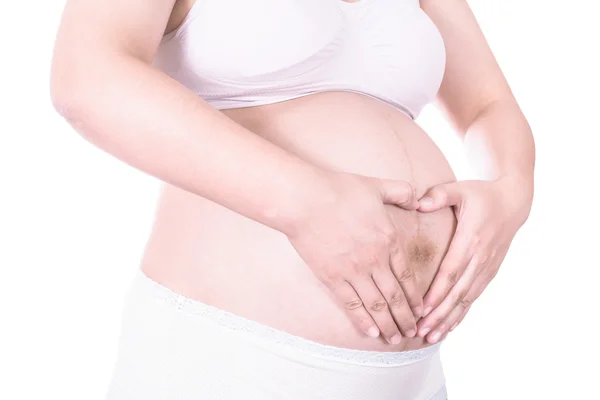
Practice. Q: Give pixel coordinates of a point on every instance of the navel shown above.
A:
(421, 250)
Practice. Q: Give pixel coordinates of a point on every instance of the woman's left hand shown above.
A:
(489, 214)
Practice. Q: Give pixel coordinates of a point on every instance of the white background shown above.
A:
(74, 221)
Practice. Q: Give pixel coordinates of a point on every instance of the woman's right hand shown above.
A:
(156, 125)
(350, 243)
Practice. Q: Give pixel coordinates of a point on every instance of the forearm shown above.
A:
(151, 122)
(499, 144)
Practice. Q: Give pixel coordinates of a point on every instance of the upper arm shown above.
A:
(472, 78)
(91, 29)
(92, 32)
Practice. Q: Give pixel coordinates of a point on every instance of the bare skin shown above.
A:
(190, 249)
(209, 253)
(219, 239)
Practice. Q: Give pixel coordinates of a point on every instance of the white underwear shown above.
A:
(174, 347)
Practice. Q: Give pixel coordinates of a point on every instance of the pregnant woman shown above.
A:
(310, 241)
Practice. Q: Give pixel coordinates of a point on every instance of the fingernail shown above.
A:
(411, 333)
(426, 201)
(395, 339)
(435, 337)
(373, 332)
(424, 332)
(427, 311)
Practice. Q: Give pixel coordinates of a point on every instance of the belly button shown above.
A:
(421, 250)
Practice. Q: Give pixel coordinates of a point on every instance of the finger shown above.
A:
(451, 269)
(400, 193)
(457, 315)
(377, 306)
(479, 284)
(450, 322)
(393, 294)
(456, 297)
(407, 278)
(354, 307)
(440, 196)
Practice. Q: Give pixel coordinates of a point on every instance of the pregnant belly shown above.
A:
(207, 252)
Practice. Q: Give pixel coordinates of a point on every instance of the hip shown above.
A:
(172, 346)
(211, 254)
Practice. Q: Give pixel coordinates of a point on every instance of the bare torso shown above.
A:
(207, 252)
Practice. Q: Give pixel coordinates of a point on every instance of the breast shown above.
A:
(400, 51)
(273, 50)
(386, 49)
(239, 40)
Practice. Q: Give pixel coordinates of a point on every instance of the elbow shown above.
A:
(69, 96)
(70, 84)
(65, 95)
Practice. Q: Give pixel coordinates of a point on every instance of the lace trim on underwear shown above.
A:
(275, 336)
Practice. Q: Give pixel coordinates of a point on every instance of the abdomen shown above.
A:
(207, 252)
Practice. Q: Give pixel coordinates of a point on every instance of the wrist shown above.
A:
(297, 199)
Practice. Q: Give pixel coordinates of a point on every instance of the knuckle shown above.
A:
(379, 305)
(396, 251)
(406, 274)
(356, 268)
(353, 304)
(329, 277)
(493, 253)
(465, 303)
(370, 262)
(389, 237)
(404, 185)
(397, 300)
(407, 189)
(460, 298)
(452, 277)
(483, 258)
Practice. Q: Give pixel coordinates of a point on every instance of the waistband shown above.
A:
(270, 336)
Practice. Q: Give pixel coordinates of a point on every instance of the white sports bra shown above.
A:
(241, 53)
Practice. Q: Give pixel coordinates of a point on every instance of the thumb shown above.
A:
(440, 196)
(399, 193)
